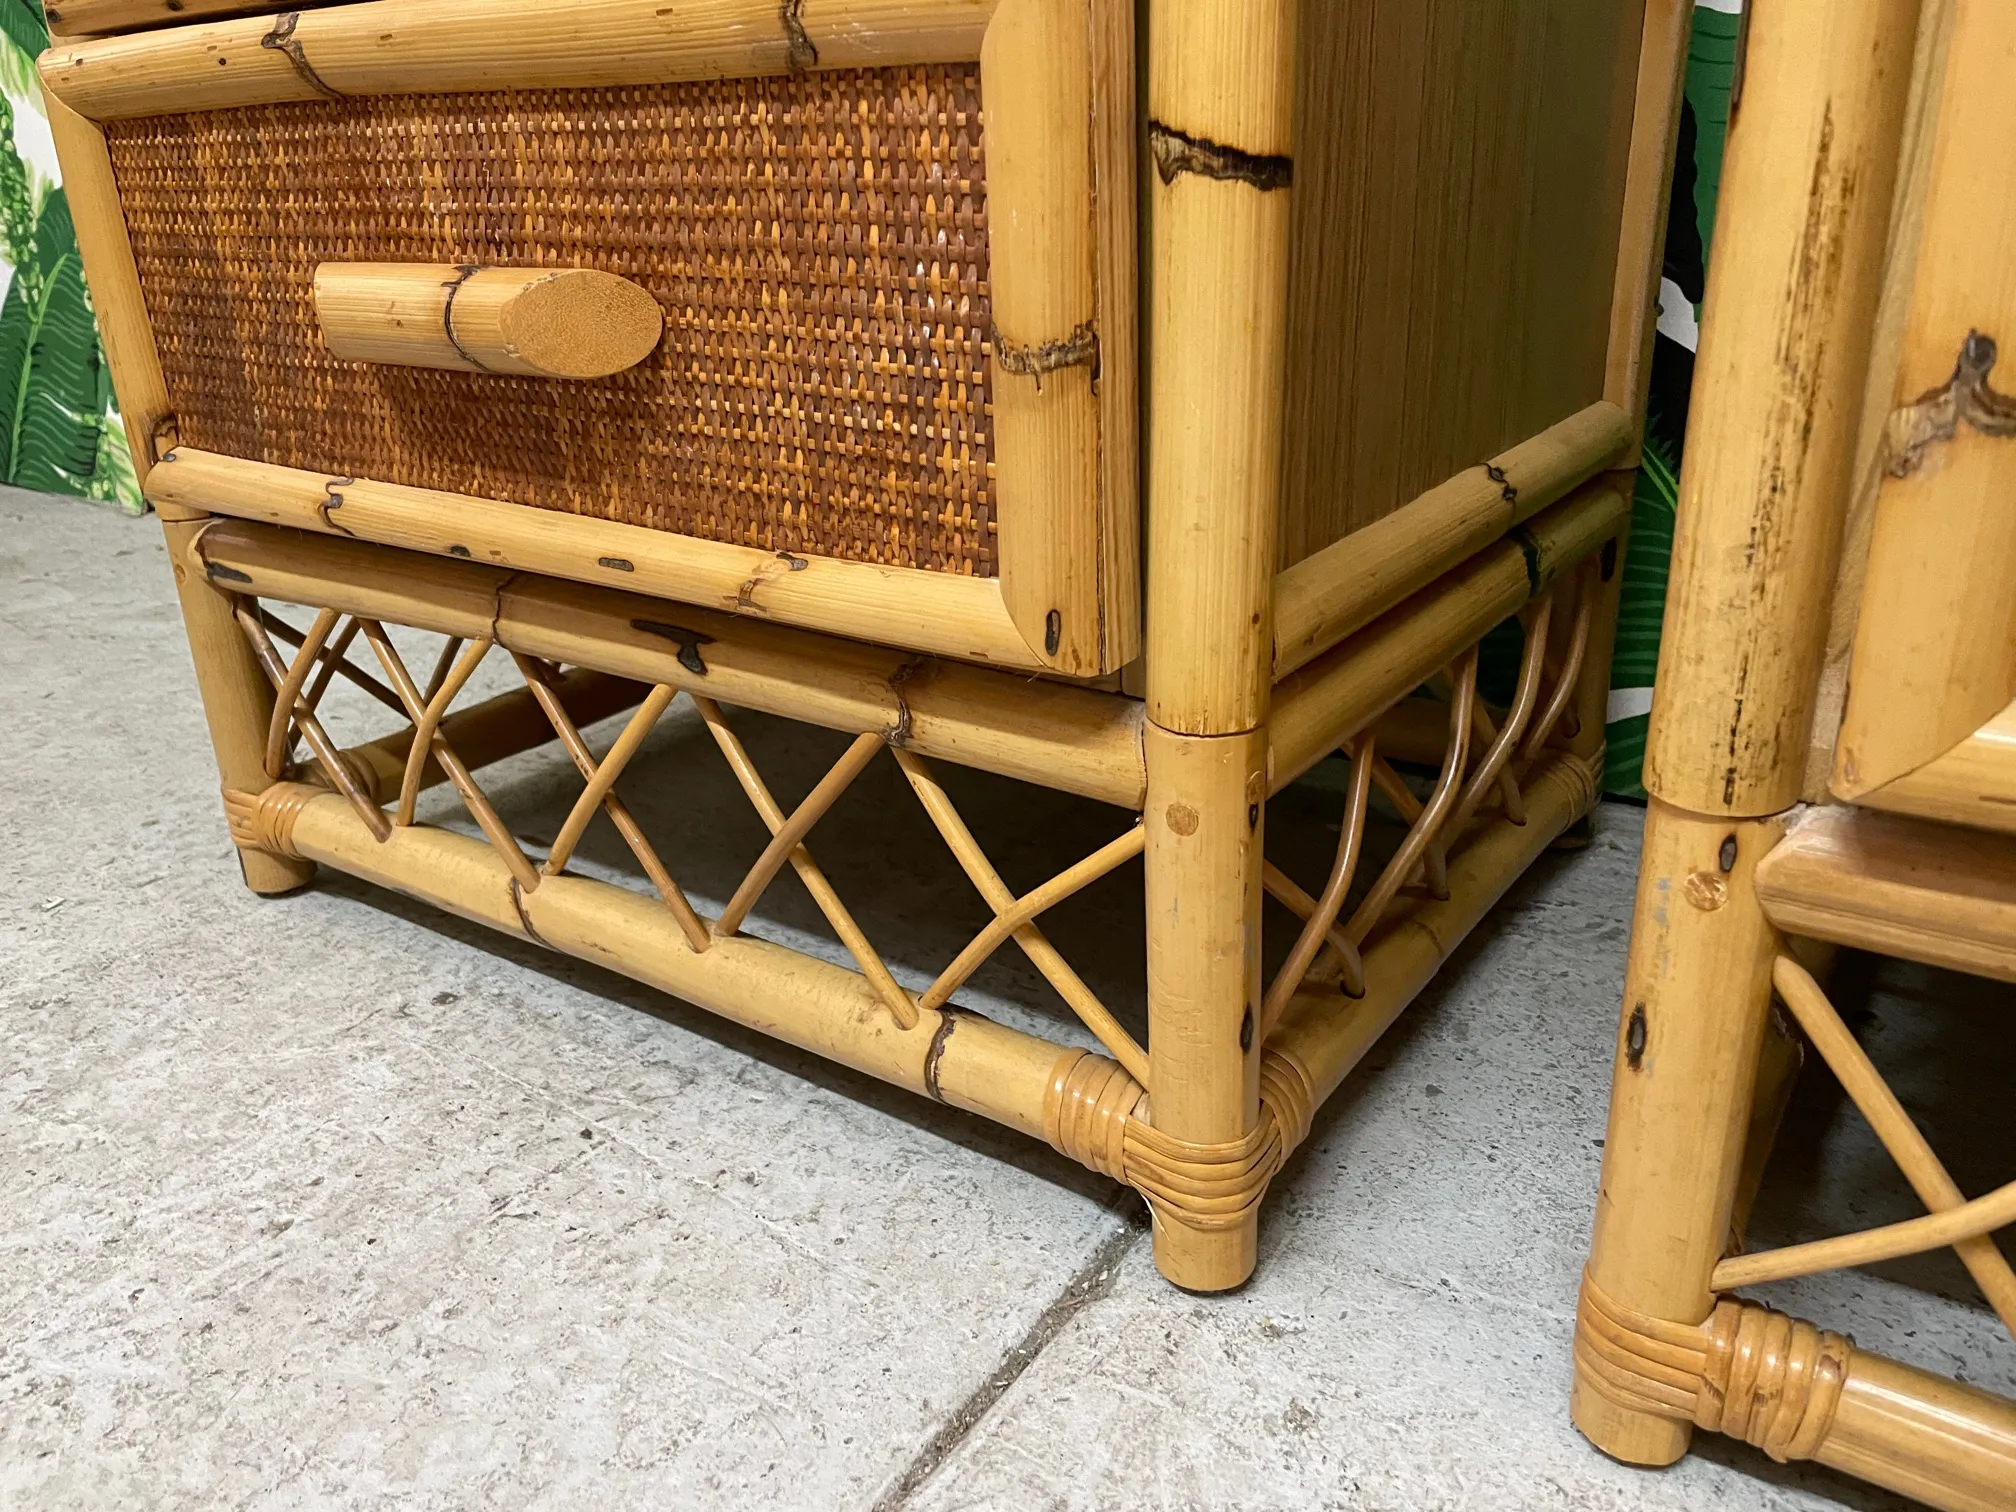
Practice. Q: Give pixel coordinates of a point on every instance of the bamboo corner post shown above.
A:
(1811, 158)
(237, 701)
(1221, 105)
(538, 322)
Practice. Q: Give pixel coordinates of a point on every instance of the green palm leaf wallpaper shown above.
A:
(59, 424)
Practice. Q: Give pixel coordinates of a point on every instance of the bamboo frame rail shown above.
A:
(1931, 893)
(983, 1067)
(1341, 589)
(899, 606)
(1043, 732)
(1323, 704)
(427, 741)
(447, 46)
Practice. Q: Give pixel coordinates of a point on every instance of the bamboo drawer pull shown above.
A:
(542, 322)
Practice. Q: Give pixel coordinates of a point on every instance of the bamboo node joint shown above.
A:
(1936, 414)
(281, 39)
(1034, 359)
(1178, 152)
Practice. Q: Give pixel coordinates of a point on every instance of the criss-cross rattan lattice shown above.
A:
(1483, 763)
(1485, 755)
(320, 655)
(1950, 1220)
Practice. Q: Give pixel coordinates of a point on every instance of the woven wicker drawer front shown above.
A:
(818, 243)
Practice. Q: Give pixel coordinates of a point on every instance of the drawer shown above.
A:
(893, 248)
(817, 242)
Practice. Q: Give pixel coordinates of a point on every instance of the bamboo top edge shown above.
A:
(395, 47)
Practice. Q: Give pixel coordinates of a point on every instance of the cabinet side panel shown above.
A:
(1458, 202)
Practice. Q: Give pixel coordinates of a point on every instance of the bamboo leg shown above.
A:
(1221, 132)
(1784, 358)
(1697, 991)
(1205, 802)
(237, 701)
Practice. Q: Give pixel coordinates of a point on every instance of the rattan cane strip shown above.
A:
(818, 243)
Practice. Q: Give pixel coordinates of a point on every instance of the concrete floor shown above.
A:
(334, 1201)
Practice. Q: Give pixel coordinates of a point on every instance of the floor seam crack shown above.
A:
(1093, 1280)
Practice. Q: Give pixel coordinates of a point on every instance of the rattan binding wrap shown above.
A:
(818, 243)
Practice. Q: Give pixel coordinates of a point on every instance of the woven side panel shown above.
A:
(818, 244)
